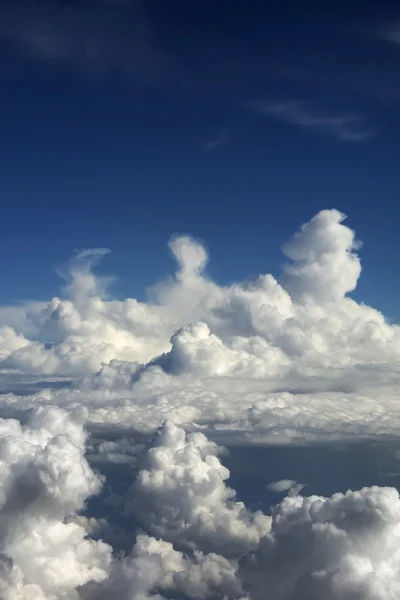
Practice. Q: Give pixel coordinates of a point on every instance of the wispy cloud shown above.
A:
(103, 36)
(215, 143)
(391, 32)
(346, 127)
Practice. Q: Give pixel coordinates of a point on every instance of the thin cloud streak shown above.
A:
(345, 127)
(215, 143)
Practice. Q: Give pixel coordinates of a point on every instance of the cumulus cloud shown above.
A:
(161, 385)
(324, 265)
(82, 283)
(155, 568)
(10, 341)
(286, 485)
(207, 543)
(269, 359)
(180, 494)
(44, 478)
(342, 547)
(190, 256)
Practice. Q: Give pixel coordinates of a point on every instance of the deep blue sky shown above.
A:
(124, 122)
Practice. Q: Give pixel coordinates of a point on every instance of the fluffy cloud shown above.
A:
(267, 361)
(295, 358)
(180, 494)
(208, 545)
(286, 485)
(343, 547)
(307, 316)
(324, 266)
(155, 568)
(44, 478)
(10, 341)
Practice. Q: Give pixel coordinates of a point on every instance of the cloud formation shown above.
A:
(329, 548)
(207, 543)
(150, 392)
(180, 494)
(268, 359)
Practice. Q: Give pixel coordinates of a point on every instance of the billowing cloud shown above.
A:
(329, 548)
(324, 265)
(180, 494)
(160, 386)
(269, 359)
(44, 478)
(207, 544)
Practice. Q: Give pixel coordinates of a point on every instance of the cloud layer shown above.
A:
(196, 541)
(148, 392)
(267, 359)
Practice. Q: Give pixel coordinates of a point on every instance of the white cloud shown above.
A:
(44, 477)
(324, 265)
(270, 361)
(286, 485)
(180, 495)
(208, 544)
(155, 566)
(265, 360)
(342, 547)
(10, 341)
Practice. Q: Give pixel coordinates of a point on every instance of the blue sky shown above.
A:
(123, 123)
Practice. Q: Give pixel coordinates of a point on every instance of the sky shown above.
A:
(126, 122)
(199, 338)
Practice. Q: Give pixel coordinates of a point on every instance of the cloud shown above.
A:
(81, 281)
(155, 565)
(328, 548)
(391, 32)
(208, 543)
(286, 485)
(101, 37)
(150, 393)
(213, 144)
(44, 478)
(190, 255)
(180, 495)
(324, 265)
(345, 127)
(266, 361)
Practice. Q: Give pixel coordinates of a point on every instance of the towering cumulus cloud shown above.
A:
(115, 415)
(324, 266)
(180, 494)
